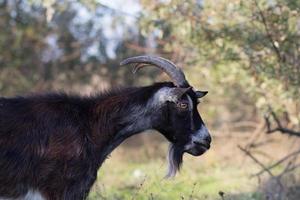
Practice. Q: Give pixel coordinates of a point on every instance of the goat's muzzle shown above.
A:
(198, 148)
(200, 142)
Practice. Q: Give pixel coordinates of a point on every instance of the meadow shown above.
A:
(245, 53)
(136, 171)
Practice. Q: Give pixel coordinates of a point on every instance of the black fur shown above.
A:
(55, 143)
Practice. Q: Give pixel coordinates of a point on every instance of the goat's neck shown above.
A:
(122, 116)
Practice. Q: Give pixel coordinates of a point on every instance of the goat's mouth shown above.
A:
(176, 153)
(198, 149)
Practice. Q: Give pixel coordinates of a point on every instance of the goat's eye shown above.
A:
(182, 105)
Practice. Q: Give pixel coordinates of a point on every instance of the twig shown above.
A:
(278, 162)
(258, 144)
(222, 194)
(138, 190)
(285, 131)
(192, 193)
(291, 166)
(290, 169)
(269, 35)
(248, 153)
(279, 127)
(151, 196)
(276, 178)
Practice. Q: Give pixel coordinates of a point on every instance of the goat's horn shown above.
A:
(174, 72)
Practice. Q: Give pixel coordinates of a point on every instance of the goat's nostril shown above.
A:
(208, 139)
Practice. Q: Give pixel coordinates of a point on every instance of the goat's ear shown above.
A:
(179, 92)
(200, 94)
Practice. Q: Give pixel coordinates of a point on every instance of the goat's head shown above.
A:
(181, 122)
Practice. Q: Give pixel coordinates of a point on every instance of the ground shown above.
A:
(136, 171)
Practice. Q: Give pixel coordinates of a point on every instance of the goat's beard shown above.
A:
(175, 159)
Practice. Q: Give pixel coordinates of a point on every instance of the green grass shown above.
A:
(122, 177)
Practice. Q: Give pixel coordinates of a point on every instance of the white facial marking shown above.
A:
(162, 95)
(30, 195)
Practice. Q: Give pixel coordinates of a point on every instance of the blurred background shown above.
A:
(246, 53)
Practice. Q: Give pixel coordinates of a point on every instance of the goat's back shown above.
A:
(40, 135)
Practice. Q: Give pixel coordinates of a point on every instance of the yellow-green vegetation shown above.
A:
(246, 53)
(125, 176)
(244, 46)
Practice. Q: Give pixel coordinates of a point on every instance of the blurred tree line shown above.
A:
(245, 52)
(64, 45)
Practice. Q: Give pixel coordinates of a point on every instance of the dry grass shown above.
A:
(136, 170)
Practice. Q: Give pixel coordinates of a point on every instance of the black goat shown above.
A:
(52, 145)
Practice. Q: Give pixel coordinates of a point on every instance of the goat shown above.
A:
(51, 145)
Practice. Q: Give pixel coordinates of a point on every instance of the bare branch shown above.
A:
(276, 178)
(248, 153)
(268, 32)
(290, 169)
(279, 127)
(259, 144)
(279, 162)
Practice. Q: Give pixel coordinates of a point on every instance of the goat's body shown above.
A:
(43, 145)
(54, 144)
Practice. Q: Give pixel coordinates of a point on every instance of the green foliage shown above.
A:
(250, 49)
(124, 178)
(246, 53)
(62, 45)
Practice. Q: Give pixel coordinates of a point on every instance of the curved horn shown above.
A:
(174, 72)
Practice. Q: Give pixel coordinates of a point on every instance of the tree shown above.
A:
(250, 47)
(65, 45)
